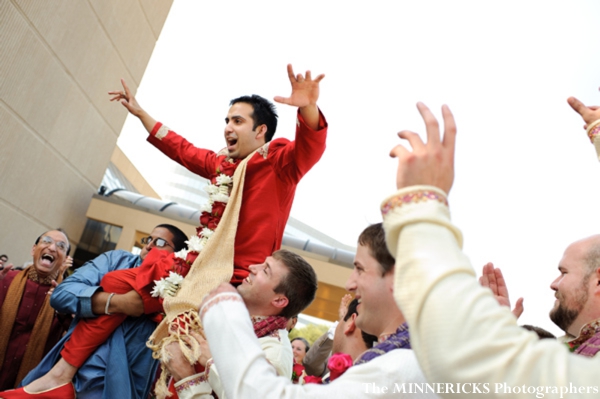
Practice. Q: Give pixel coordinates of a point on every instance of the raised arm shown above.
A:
(434, 285)
(294, 159)
(305, 93)
(128, 100)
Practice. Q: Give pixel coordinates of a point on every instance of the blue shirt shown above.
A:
(123, 366)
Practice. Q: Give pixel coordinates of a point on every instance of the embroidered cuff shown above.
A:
(209, 363)
(159, 131)
(223, 296)
(412, 197)
(593, 129)
(593, 132)
(190, 382)
(162, 132)
(415, 204)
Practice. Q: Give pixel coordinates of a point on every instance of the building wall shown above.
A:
(57, 127)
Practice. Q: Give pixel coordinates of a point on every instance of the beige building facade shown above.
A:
(58, 130)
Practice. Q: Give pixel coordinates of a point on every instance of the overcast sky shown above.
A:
(527, 178)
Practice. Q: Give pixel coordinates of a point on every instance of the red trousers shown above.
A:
(89, 334)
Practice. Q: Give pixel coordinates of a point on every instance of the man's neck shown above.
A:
(356, 349)
(391, 327)
(257, 311)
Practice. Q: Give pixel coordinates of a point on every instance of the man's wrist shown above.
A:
(181, 369)
(105, 303)
(99, 302)
(116, 305)
(107, 308)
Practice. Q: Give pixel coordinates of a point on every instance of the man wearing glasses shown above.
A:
(29, 326)
(123, 366)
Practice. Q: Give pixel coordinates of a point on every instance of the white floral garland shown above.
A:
(167, 286)
(218, 192)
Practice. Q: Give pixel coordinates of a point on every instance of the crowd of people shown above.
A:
(209, 315)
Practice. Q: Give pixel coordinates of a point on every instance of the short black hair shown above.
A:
(263, 113)
(367, 338)
(299, 285)
(374, 238)
(179, 237)
(62, 231)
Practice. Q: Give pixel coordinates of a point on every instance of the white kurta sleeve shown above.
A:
(245, 372)
(458, 330)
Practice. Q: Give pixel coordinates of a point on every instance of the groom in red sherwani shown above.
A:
(272, 173)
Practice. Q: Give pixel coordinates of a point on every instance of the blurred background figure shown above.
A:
(299, 347)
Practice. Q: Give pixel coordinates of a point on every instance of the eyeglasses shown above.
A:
(158, 242)
(61, 245)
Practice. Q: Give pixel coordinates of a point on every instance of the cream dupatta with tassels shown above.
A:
(213, 266)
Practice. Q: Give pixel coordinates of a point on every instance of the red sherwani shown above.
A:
(34, 295)
(271, 179)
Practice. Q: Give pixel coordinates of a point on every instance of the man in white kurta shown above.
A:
(435, 286)
(389, 370)
(281, 287)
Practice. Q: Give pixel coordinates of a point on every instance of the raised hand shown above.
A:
(346, 299)
(492, 278)
(67, 264)
(61, 270)
(127, 99)
(305, 89)
(431, 163)
(589, 113)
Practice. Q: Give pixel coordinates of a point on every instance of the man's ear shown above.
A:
(33, 249)
(350, 325)
(596, 276)
(261, 132)
(280, 301)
